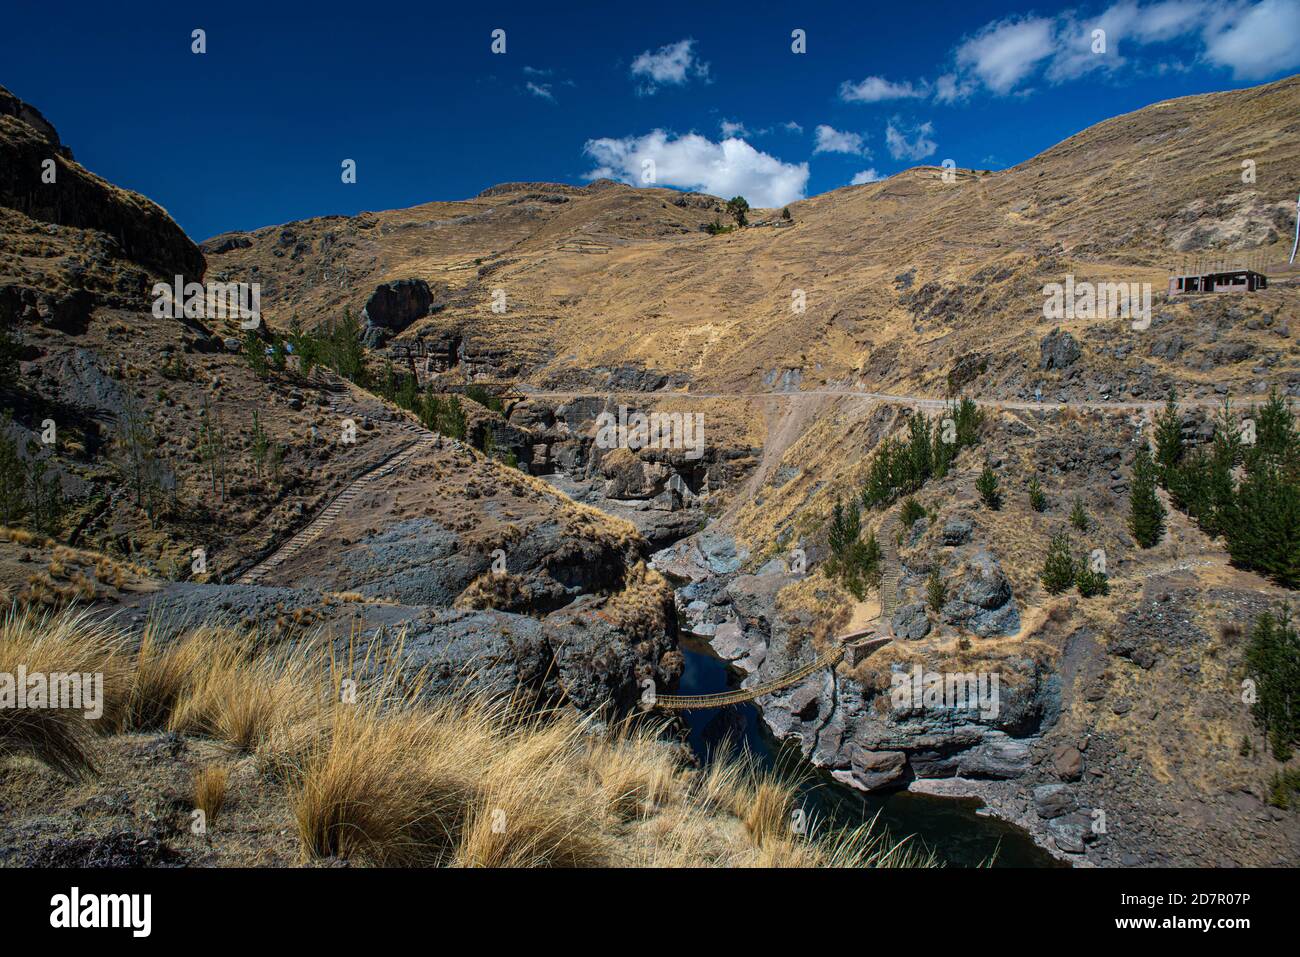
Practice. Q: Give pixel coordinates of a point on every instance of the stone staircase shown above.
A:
(328, 515)
(891, 566)
(342, 404)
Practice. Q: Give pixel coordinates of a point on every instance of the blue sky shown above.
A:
(254, 131)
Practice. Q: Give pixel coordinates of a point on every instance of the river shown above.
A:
(952, 829)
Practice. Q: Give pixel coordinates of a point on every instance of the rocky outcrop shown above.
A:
(584, 655)
(1058, 350)
(859, 732)
(393, 306)
(226, 242)
(982, 601)
(139, 230)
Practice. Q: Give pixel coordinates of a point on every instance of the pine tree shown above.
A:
(1276, 437)
(1169, 440)
(45, 502)
(260, 446)
(1265, 531)
(255, 356)
(936, 592)
(1059, 568)
(1273, 662)
(1079, 515)
(987, 486)
(13, 477)
(1146, 513)
(846, 526)
(1037, 500)
(453, 423)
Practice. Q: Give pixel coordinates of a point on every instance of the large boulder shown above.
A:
(982, 601)
(1053, 800)
(395, 305)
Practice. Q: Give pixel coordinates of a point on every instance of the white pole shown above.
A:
(1297, 229)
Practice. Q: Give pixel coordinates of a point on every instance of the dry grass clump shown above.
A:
(640, 608)
(210, 788)
(377, 771)
(70, 643)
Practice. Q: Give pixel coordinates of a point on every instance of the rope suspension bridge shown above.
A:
(827, 659)
(856, 644)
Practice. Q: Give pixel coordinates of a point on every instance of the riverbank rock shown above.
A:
(1053, 800)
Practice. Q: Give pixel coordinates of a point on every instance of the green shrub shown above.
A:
(1091, 583)
(911, 512)
(1058, 568)
(1079, 515)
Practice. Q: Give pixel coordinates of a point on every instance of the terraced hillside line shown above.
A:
(331, 512)
(827, 659)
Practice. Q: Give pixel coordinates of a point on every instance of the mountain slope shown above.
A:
(901, 278)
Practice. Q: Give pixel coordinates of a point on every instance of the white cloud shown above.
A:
(1124, 25)
(534, 71)
(831, 140)
(1253, 38)
(874, 89)
(792, 126)
(949, 89)
(866, 176)
(733, 129)
(1006, 51)
(1255, 42)
(670, 65)
(540, 89)
(917, 146)
(729, 168)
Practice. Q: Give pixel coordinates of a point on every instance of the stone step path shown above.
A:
(891, 567)
(341, 404)
(327, 516)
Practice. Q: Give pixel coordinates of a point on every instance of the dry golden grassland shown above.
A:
(391, 776)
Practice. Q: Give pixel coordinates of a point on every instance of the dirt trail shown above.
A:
(920, 401)
(790, 423)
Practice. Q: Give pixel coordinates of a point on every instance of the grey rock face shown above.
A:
(956, 531)
(1058, 350)
(910, 622)
(999, 756)
(875, 770)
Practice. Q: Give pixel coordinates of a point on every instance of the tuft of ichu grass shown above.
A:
(210, 788)
(377, 770)
(69, 643)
